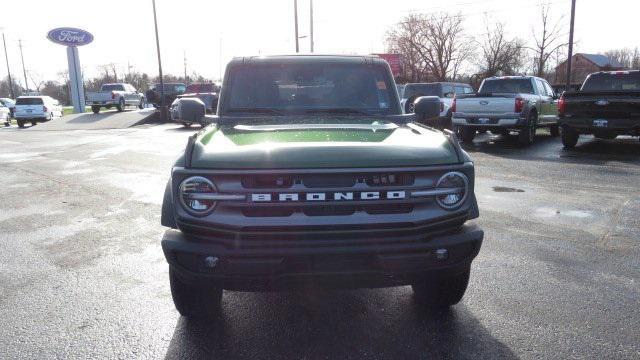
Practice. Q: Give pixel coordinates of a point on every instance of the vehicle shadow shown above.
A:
(336, 325)
(182, 128)
(547, 148)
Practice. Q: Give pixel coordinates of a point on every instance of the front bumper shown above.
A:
(600, 125)
(352, 266)
(507, 120)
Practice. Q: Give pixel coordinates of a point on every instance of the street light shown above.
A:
(163, 108)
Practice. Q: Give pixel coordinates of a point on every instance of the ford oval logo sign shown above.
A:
(70, 36)
(484, 102)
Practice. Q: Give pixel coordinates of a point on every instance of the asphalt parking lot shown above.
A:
(82, 273)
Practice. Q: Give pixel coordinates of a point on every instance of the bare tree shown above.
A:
(401, 40)
(627, 57)
(434, 46)
(500, 55)
(548, 40)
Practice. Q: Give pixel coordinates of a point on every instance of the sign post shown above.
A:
(72, 38)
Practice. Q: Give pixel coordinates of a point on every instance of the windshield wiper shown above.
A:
(255, 111)
(337, 111)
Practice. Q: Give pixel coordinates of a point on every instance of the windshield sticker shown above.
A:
(381, 85)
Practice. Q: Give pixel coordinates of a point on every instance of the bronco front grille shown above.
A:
(306, 197)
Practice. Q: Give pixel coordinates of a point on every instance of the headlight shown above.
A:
(456, 186)
(196, 195)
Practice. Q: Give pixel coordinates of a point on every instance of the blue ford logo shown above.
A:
(484, 102)
(70, 36)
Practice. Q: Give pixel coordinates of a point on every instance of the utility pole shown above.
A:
(24, 70)
(6, 57)
(163, 109)
(573, 18)
(184, 56)
(295, 17)
(311, 23)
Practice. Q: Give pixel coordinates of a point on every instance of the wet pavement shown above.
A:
(82, 273)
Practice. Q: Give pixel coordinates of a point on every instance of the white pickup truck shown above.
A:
(505, 104)
(118, 95)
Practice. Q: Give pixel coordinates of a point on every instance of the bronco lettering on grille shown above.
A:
(329, 196)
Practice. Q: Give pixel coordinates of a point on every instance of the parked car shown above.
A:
(207, 92)
(5, 114)
(171, 91)
(312, 175)
(192, 106)
(35, 109)
(446, 91)
(507, 103)
(607, 105)
(10, 104)
(117, 95)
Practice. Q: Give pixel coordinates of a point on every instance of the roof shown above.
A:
(441, 82)
(602, 60)
(307, 58)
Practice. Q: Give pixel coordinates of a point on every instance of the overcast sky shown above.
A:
(123, 29)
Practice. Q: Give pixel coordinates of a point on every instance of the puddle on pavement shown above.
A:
(549, 212)
(506, 189)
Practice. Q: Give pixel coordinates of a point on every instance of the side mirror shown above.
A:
(427, 107)
(188, 110)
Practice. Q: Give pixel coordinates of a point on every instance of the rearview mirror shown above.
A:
(427, 107)
(190, 110)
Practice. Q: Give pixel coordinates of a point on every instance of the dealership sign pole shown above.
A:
(72, 38)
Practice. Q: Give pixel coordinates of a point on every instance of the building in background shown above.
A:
(583, 65)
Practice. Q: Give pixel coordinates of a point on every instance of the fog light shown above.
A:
(211, 262)
(442, 254)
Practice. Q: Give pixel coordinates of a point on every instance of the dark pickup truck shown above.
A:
(607, 105)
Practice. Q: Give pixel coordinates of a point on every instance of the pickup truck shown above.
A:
(607, 105)
(505, 104)
(118, 95)
(310, 175)
(206, 92)
(171, 91)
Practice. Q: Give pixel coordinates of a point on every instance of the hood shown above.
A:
(329, 143)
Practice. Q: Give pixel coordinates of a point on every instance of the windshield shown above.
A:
(112, 87)
(304, 88)
(416, 90)
(613, 82)
(173, 88)
(507, 86)
(29, 101)
(201, 88)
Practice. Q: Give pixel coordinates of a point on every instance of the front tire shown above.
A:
(467, 134)
(194, 301)
(442, 292)
(20, 123)
(142, 104)
(186, 124)
(527, 135)
(554, 130)
(569, 138)
(95, 109)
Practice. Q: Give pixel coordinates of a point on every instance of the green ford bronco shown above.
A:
(310, 174)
